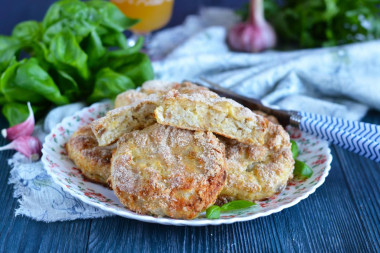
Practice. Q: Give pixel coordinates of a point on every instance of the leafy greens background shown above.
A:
(316, 23)
(77, 52)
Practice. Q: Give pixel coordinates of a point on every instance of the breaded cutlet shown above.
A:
(167, 171)
(215, 114)
(158, 88)
(93, 161)
(140, 113)
(256, 172)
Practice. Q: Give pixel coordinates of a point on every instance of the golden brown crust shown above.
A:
(256, 172)
(124, 120)
(129, 97)
(166, 171)
(219, 115)
(271, 118)
(93, 161)
(139, 114)
(158, 87)
(162, 87)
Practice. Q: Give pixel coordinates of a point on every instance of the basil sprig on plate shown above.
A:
(77, 52)
(301, 170)
(294, 149)
(213, 212)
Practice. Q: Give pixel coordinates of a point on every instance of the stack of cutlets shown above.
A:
(179, 148)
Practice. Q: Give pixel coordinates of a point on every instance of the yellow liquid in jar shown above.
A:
(153, 14)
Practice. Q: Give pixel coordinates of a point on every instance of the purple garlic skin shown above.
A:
(255, 35)
(251, 38)
(22, 139)
(23, 129)
(29, 146)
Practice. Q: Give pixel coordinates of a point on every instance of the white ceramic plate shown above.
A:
(313, 151)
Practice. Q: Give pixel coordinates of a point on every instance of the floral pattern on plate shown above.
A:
(313, 151)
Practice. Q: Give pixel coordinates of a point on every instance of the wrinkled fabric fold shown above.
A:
(338, 81)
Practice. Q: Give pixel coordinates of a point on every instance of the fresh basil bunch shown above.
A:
(78, 52)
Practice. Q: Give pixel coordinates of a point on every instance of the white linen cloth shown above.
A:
(341, 81)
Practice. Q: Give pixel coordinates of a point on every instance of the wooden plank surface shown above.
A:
(342, 216)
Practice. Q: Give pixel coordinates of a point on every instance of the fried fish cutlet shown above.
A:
(93, 161)
(137, 115)
(256, 172)
(166, 171)
(219, 115)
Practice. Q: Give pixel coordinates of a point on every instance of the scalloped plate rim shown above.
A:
(177, 222)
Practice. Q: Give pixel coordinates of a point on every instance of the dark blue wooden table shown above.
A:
(342, 215)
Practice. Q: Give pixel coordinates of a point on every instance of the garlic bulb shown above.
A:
(255, 35)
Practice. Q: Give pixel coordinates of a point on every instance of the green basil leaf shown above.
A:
(69, 14)
(27, 31)
(111, 17)
(93, 46)
(236, 204)
(7, 42)
(27, 81)
(294, 149)
(113, 39)
(301, 170)
(3, 100)
(109, 84)
(31, 76)
(16, 113)
(41, 53)
(137, 67)
(122, 57)
(79, 28)
(6, 57)
(8, 49)
(72, 9)
(66, 54)
(12, 92)
(67, 85)
(123, 53)
(213, 212)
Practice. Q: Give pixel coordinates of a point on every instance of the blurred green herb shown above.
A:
(294, 149)
(236, 204)
(77, 52)
(301, 170)
(213, 212)
(316, 23)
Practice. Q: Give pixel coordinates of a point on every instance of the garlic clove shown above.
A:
(30, 146)
(23, 129)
